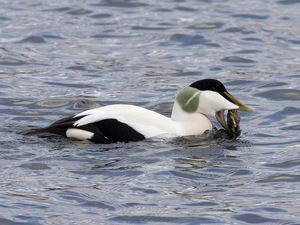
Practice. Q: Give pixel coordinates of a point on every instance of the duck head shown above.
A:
(208, 97)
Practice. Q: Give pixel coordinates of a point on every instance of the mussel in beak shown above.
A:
(233, 121)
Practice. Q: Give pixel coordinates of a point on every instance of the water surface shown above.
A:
(59, 58)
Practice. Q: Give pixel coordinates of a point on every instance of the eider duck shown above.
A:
(124, 123)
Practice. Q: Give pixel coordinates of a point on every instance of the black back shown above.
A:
(211, 85)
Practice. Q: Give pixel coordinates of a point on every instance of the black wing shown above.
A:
(105, 131)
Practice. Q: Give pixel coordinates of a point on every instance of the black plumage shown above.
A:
(104, 131)
(211, 85)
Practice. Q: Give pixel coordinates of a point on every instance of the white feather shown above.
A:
(211, 102)
(146, 122)
(79, 134)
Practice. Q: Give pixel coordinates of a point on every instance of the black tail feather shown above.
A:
(57, 128)
(42, 132)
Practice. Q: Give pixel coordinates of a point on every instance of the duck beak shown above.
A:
(221, 119)
(242, 107)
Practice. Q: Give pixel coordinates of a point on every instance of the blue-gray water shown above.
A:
(58, 58)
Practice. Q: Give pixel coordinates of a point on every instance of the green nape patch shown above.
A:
(188, 99)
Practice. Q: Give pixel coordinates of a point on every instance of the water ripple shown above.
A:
(280, 178)
(206, 26)
(236, 59)
(79, 12)
(288, 2)
(250, 16)
(58, 59)
(159, 219)
(285, 164)
(33, 39)
(125, 4)
(283, 94)
(11, 62)
(254, 218)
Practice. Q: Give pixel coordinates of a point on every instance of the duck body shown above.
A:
(124, 123)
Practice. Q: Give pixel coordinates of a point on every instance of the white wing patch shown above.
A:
(79, 134)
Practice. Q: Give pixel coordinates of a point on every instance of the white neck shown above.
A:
(178, 114)
(189, 123)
